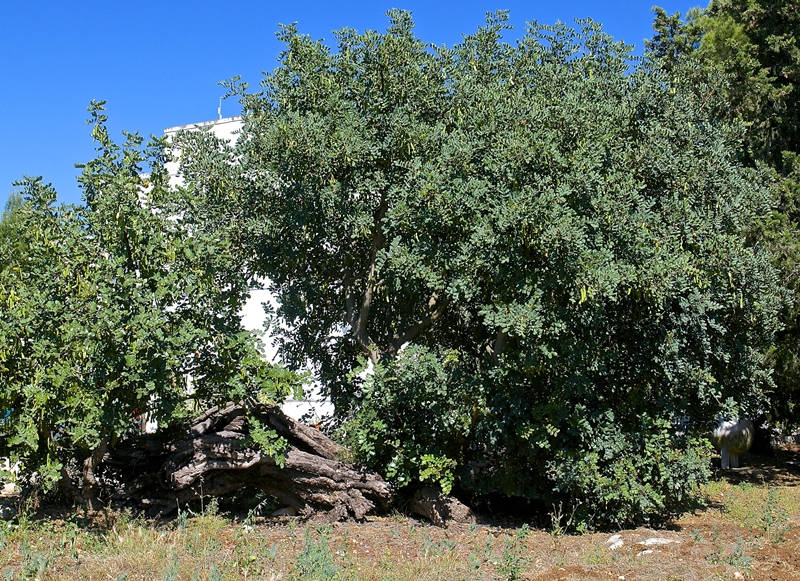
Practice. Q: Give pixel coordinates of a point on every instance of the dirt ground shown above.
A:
(750, 528)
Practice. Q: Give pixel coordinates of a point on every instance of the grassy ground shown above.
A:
(750, 529)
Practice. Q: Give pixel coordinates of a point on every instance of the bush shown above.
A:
(417, 423)
(539, 245)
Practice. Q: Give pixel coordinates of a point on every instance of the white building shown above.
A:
(253, 316)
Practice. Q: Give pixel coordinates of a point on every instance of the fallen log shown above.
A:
(213, 459)
(439, 508)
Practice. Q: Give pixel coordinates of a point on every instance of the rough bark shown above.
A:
(438, 508)
(212, 460)
(89, 488)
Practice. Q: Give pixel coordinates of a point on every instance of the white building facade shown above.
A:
(253, 315)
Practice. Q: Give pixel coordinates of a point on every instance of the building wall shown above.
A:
(253, 316)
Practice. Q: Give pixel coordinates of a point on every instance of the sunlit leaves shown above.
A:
(567, 219)
(117, 309)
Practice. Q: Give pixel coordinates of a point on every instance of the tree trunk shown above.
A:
(89, 485)
(211, 460)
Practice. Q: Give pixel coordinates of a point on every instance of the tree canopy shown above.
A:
(540, 247)
(8, 218)
(113, 310)
(748, 55)
(756, 48)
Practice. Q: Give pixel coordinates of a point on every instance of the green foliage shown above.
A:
(774, 518)
(439, 470)
(268, 441)
(674, 39)
(642, 475)
(315, 560)
(757, 43)
(413, 420)
(109, 308)
(780, 233)
(750, 52)
(539, 247)
(747, 54)
(8, 219)
(512, 562)
(416, 423)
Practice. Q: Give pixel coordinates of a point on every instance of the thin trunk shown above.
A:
(89, 486)
(360, 331)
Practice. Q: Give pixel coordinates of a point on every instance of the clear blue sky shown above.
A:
(156, 63)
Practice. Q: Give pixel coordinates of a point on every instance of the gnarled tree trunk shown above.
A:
(211, 461)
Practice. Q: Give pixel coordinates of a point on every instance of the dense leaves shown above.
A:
(747, 56)
(753, 49)
(538, 247)
(758, 44)
(113, 311)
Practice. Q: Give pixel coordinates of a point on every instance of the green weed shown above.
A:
(315, 560)
(560, 522)
(511, 562)
(738, 558)
(774, 518)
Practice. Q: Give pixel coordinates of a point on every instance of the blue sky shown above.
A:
(156, 63)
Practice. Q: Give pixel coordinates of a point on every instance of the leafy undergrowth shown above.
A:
(750, 529)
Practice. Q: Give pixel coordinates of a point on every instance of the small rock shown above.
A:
(737, 575)
(615, 542)
(657, 541)
(7, 512)
(645, 552)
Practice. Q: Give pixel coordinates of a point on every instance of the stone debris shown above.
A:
(645, 552)
(8, 500)
(657, 541)
(615, 542)
(7, 512)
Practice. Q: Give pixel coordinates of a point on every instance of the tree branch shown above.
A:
(360, 328)
(436, 308)
(499, 343)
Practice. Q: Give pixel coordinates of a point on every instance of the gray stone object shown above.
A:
(731, 438)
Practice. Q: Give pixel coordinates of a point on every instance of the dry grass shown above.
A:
(748, 530)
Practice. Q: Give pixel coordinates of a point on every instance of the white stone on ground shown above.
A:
(657, 541)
